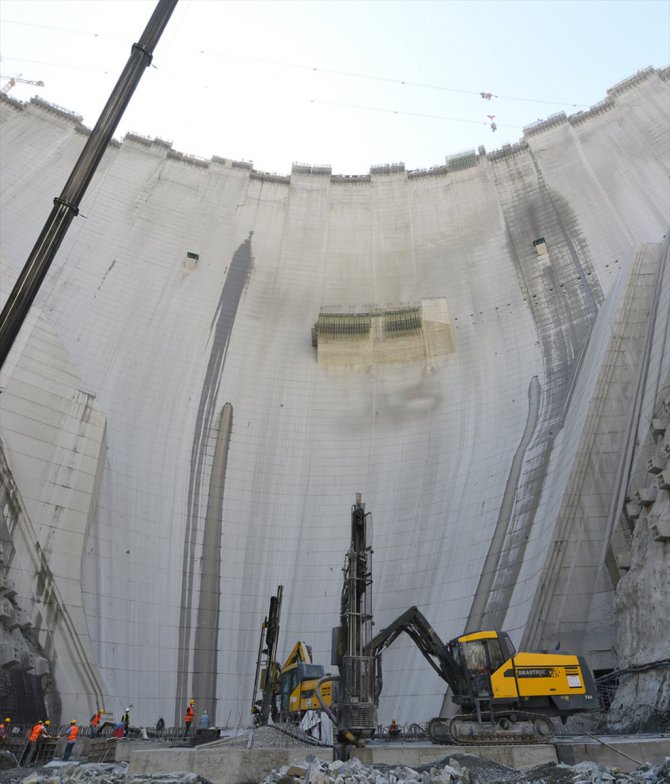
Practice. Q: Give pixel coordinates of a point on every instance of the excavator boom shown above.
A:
(415, 625)
(504, 696)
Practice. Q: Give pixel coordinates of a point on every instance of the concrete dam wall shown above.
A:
(219, 359)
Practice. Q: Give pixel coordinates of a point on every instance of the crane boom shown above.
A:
(14, 80)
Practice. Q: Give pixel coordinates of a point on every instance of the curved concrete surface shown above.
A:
(220, 359)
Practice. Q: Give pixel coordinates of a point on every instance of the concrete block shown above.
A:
(10, 656)
(656, 464)
(23, 619)
(519, 757)
(12, 622)
(8, 588)
(663, 480)
(658, 427)
(647, 495)
(38, 665)
(633, 510)
(6, 610)
(616, 753)
(660, 528)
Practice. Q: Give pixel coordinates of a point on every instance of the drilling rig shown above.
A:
(355, 714)
(267, 669)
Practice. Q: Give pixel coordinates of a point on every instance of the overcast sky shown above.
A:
(350, 84)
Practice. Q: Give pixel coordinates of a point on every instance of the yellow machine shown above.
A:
(298, 681)
(286, 693)
(502, 695)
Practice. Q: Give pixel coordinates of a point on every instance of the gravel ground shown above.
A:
(463, 769)
(458, 768)
(268, 737)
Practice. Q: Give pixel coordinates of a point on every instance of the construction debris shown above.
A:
(462, 769)
(453, 769)
(94, 773)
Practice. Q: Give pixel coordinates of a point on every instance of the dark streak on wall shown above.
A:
(201, 460)
(563, 295)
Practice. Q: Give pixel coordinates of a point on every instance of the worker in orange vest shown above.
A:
(37, 733)
(72, 733)
(188, 716)
(95, 723)
(4, 728)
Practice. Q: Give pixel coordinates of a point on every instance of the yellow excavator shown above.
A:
(503, 696)
(285, 692)
(298, 681)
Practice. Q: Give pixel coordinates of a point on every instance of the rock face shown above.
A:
(219, 359)
(643, 639)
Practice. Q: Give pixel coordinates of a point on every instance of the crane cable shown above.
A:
(333, 71)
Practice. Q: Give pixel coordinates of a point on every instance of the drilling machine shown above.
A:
(355, 714)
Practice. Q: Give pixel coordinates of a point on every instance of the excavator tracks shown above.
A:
(511, 728)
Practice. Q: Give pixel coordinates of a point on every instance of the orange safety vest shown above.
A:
(35, 732)
(2, 730)
(95, 720)
(188, 716)
(72, 733)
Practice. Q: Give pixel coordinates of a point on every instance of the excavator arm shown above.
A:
(426, 639)
(300, 653)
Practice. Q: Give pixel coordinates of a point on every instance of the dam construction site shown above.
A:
(337, 478)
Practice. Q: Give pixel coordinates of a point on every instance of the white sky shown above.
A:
(255, 80)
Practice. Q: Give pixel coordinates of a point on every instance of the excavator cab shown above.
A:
(479, 656)
(297, 688)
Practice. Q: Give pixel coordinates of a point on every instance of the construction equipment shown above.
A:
(288, 692)
(355, 713)
(503, 696)
(298, 682)
(14, 80)
(267, 668)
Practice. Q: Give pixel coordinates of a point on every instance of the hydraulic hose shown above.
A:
(329, 711)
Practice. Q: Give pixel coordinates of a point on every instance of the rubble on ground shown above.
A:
(268, 737)
(453, 769)
(462, 769)
(94, 773)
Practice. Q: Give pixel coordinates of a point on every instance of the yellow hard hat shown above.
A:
(73, 722)
(7, 719)
(192, 702)
(47, 723)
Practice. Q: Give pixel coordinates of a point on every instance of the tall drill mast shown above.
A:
(266, 664)
(356, 711)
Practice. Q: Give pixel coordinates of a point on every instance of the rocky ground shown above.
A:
(455, 769)
(458, 768)
(92, 773)
(463, 769)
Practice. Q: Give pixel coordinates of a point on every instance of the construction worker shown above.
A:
(4, 728)
(125, 720)
(95, 722)
(188, 716)
(72, 733)
(203, 721)
(37, 734)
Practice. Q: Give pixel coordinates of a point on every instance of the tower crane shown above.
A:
(13, 80)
